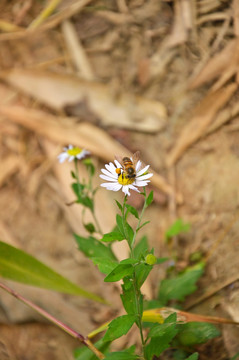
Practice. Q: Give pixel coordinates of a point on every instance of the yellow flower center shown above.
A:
(74, 151)
(123, 180)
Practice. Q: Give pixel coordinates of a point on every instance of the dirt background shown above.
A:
(116, 76)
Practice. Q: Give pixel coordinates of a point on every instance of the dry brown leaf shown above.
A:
(59, 91)
(182, 23)
(204, 115)
(185, 317)
(60, 130)
(226, 60)
(8, 166)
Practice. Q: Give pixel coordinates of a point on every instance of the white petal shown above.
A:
(142, 171)
(118, 165)
(71, 158)
(112, 167)
(111, 186)
(138, 166)
(113, 176)
(141, 183)
(70, 146)
(144, 177)
(62, 157)
(108, 178)
(131, 186)
(125, 190)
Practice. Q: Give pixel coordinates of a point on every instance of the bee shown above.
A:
(128, 166)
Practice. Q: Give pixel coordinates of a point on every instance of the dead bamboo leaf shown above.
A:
(60, 91)
(86, 135)
(161, 314)
(182, 23)
(77, 52)
(46, 12)
(53, 21)
(204, 115)
(222, 62)
(223, 117)
(236, 17)
(8, 167)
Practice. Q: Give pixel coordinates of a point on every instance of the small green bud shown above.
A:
(150, 259)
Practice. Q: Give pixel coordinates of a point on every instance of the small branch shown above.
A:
(52, 319)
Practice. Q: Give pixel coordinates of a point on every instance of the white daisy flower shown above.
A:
(118, 180)
(71, 152)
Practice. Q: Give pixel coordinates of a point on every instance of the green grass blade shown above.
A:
(19, 266)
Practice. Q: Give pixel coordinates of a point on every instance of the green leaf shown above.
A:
(126, 354)
(94, 248)
(161, 260)
(177, 228)
(121, 355)
(194, 356)
(180, 286)
(90, 228)
(125, 229)
(19, 266)
(162, 335)
(145, 223)
(119, 272)
(150, 198)
(128, 296)
(236, 356)
(141, 248)
(119, 205)
(85, 354)
(118, 327)
(82, 198)
(90, 166)
(196, 333)
(132, 210)
(168, 327)
(104, 265)
(112, 236)
(142, 271)
(119, 221)
(129, 261)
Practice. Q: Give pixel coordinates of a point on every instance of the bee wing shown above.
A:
(119, 159)
(135, 157)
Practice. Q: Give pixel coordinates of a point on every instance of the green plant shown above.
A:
(159, 327)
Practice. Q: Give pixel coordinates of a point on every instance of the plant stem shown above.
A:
(90, 189)
(55, 321)
(139, 223)
(137, 292)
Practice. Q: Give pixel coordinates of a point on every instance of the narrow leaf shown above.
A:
(141, 248)
(119, 272)
(92, 247)
(180, 286)
(119, 326)
(19, 266)
(150, 198)
(196, 333)
(86, 354)
(113, 236)
(90, 228)
(177, 228)
(132, 210)
(145, 223)
(104, 265)
(119, 205)
(194, 356)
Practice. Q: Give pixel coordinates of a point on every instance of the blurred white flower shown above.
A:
(72, 153)
(117, 181)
